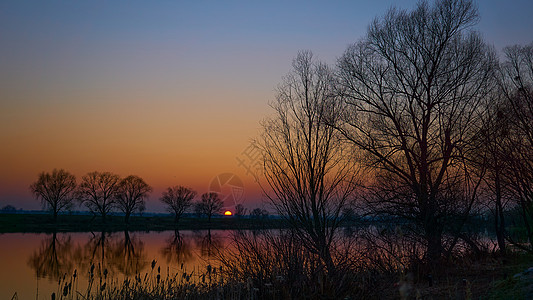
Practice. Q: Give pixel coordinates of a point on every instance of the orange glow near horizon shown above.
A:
(228, 213)
(165, 143)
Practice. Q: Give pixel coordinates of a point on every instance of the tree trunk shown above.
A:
(499, 217)
(127, 217)
(330, 265)
(433, 235)
(526, 221)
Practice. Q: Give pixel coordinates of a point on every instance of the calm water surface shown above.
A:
(33, 264)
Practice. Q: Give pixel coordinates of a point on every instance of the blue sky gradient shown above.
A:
(171, 91)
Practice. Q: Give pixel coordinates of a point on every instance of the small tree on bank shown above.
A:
(55, 190)
(258, 214)
(240, 211)
(209, 205)
(97, 191)
(131, 194)
(178, 199)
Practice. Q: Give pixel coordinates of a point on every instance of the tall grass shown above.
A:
(155, 284)
(372, 263)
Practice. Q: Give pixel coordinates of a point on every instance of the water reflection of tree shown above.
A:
(209, 243)
(53, 259)
(128, 256)
(94, 253)
(107, 251)
(177, 249)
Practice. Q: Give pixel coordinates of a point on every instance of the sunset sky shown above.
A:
(172, 91)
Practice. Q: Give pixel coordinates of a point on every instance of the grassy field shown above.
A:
(80, 223)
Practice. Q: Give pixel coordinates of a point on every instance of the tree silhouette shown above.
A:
(97, 191)
(516, 84)
(55, 190)
(414, 86)
(131, 194)
(493, 157)
(240, 211)
(258, 213)
(178, 199)
(209, 205)
(310, 172)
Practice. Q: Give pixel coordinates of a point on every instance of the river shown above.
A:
(36, 265)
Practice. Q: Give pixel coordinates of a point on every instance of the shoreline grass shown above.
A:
(489, 278)
(44, 223)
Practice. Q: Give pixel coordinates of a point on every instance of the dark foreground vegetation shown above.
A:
(84, 223)
(272, 264)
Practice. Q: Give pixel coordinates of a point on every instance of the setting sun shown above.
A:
(228, 213)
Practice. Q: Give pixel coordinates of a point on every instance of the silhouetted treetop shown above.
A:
(55, 190)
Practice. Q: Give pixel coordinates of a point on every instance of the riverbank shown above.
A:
(494, 278)
(43, 223)
(488, 277)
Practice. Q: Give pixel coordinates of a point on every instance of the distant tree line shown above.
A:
(104, 192)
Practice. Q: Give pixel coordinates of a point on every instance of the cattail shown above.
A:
(153, 264)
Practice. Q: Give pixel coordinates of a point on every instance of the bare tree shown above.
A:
(517, 86)
(210, 204)
(97, 191)
(259, 213)
(55, 190)
(8, 209)
(310, 173)
(516, 82)
(131, 194)
(178, 199)
(414, 86)
(493, 156)
(240, 210)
